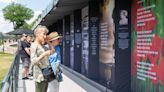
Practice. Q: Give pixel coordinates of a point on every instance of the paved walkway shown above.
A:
(71, 83)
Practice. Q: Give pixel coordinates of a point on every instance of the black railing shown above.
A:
(10, 82)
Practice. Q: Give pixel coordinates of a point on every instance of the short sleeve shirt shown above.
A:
(25, 45)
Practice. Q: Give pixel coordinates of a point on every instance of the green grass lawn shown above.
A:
(5, 62)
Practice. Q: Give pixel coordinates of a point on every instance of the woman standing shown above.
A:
(39, 58)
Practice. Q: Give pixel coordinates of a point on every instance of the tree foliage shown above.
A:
(17, 14)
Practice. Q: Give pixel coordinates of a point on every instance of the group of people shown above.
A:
(36, 55)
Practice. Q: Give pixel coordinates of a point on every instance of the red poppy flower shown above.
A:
(156, 41)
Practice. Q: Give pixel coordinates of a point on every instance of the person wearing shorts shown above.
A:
(25, 56)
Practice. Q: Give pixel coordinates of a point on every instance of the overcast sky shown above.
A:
(36, 5)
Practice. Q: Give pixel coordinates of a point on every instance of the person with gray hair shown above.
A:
(39, 58)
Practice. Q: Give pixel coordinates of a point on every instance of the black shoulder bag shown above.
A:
(47, 72)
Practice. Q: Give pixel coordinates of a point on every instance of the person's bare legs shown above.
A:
(25, 68)
(25, 72)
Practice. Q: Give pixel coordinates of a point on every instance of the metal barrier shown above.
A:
(10, 82)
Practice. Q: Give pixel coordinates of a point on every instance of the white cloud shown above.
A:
(36, 13)
(7, 1)
(5, 26)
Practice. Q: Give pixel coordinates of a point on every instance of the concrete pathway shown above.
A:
(71, 83)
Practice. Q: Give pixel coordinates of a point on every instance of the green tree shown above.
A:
(17, 14)
(27, 26)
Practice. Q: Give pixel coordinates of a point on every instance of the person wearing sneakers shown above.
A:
(25, 56)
